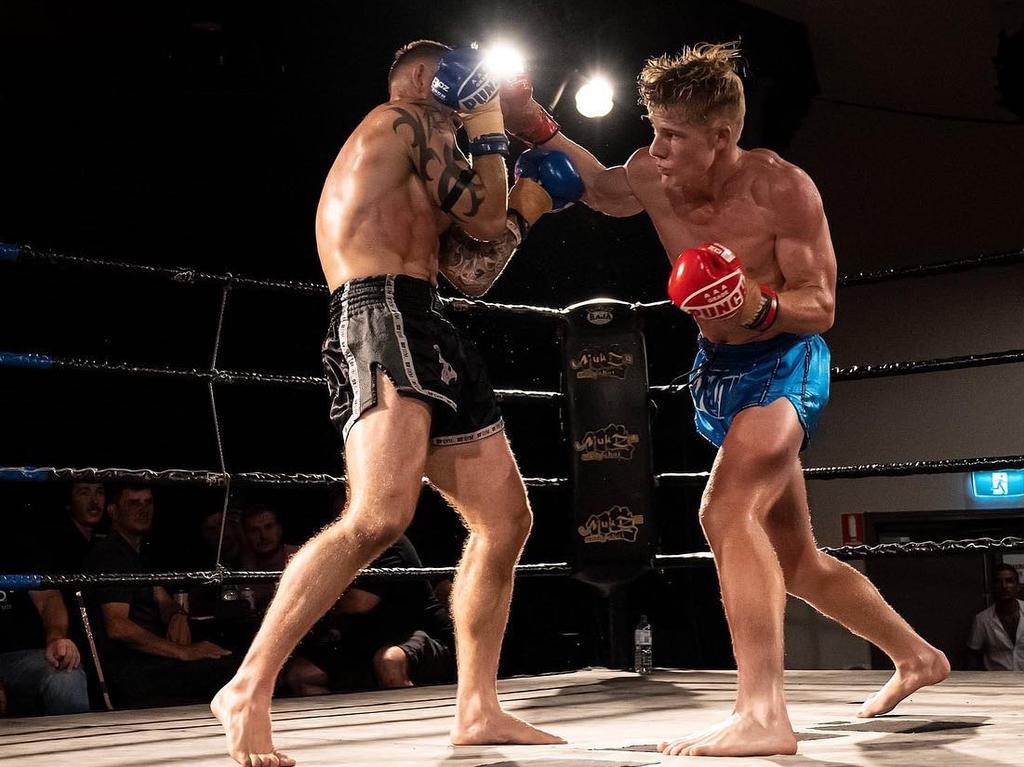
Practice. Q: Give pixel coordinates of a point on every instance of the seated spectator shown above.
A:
(151, 659)
(206, 600)
(40, 668)
(73, 535)
(383, 634)
(997, 636)
(265, 549)
(232, 549)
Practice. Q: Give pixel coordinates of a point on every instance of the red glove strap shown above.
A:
(525, 119)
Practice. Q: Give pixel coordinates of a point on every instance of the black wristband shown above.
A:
(520, 223)
(489, 143)
(762, 312)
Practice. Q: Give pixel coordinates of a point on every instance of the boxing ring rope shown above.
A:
(251, 377)
(659, 562)
(198, 477)
(214, 375)
(862, 471)
(17, 253)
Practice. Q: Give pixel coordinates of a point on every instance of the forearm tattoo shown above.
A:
(473, 265)
(451, 175)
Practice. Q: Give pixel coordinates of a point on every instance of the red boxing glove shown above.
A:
(525, 119)
(707, 282)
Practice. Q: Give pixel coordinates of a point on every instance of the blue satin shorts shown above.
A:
(728, 378)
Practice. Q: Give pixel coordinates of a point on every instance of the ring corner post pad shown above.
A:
(608, 420)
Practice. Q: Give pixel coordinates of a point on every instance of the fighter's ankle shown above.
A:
(251, 685)
(769, 711)
(476, 708)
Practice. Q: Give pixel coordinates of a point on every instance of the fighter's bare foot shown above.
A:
(929, 668)
(498, 729)
(391, 666)
(246, 721)
(739, 735)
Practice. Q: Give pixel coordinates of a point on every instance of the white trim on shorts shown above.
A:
(403, 345)
(473, 436)
(353, 370)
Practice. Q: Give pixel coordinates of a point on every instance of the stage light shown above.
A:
(594, 98)
(503, 60)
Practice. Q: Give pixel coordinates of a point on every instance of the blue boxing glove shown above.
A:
(554, 171)
(461, 82)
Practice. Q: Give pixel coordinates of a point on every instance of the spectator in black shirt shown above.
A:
(72, 537)
(152, 658)
(40, 668)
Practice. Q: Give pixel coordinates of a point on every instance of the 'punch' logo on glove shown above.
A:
(718, 300)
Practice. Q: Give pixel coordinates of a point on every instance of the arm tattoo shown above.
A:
(472, 265)
(454, 176)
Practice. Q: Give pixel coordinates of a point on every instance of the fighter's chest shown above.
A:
(738, 223)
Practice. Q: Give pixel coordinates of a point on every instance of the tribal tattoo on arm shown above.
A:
(448, 175)
(473, 265)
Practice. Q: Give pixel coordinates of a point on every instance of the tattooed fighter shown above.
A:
(409, 395)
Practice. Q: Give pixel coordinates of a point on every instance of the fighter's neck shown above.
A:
(724, 168)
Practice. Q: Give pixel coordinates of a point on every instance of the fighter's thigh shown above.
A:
(789, 524)
(386, 450)
(751, 467)
(482, 480)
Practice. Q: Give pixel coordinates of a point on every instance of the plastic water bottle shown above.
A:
(643, 658)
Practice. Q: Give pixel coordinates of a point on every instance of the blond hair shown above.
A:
(702, 81)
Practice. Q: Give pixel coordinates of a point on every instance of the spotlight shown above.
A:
(503, 60)
(594, 98)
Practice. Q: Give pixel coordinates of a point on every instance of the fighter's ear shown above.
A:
(422, 73)
(723, 134)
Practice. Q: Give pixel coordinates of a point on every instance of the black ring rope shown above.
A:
(217, 479)
(213, 375)
(221, 575)
(695, 478)
(864, 551)
(891, 369)
(189, 276)
(862, 471)
(659, 562)
(467, 304)
(860, 372)
(927, 270)
(222, 462)
(181, 275)
(197, 477)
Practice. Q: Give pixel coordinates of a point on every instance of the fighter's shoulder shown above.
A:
(640, 167)
(776, 182)
(641, 162)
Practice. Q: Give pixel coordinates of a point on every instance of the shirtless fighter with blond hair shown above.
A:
(409, 395)
(761, 288)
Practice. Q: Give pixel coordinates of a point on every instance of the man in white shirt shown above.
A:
(997, 636)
